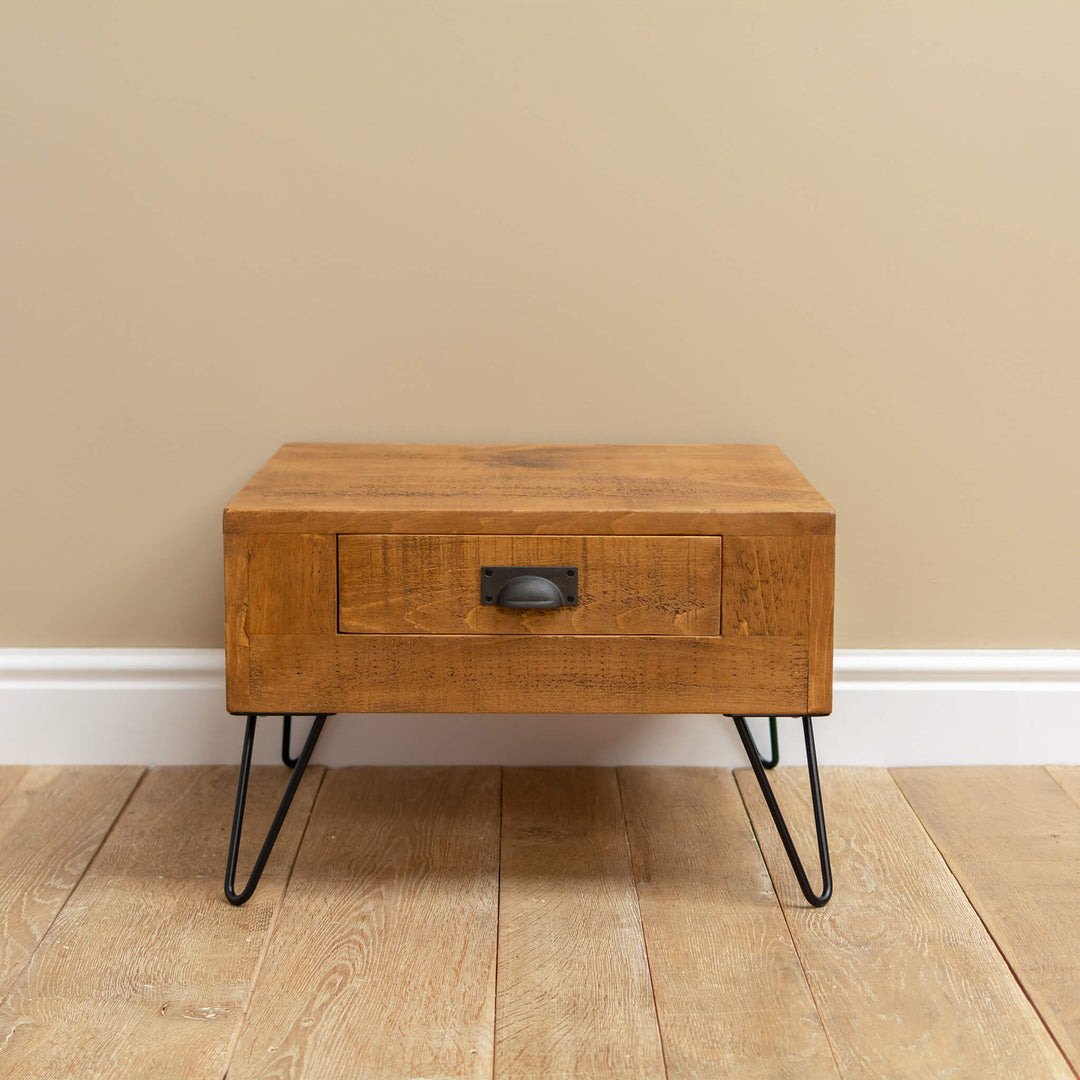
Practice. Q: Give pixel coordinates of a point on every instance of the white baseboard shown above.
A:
(896, 707)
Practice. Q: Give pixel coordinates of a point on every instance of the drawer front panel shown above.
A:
(427, 584)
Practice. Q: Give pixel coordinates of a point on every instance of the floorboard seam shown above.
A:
(498, 925)
(787, 922)
(105, 839)
(989, 932)
(1072, 795)
(641, 920)
(71, 892)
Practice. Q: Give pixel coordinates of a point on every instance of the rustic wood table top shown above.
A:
(546, 488)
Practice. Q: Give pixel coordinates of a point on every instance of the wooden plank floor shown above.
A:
(547, 923)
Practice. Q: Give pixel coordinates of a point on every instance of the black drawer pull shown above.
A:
(529, 586)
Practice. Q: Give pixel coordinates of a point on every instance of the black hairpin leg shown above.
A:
(298, 766)
(759, 765)
(774, 759)
(286, 742)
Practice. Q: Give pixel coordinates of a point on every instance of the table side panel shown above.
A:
(822, 574)
(624, 585)
(274, 584)
(503, 673)
(237, 650)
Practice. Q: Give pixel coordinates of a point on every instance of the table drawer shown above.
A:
(287, 649)
(429, 584)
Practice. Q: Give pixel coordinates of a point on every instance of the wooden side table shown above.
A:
(538, 579)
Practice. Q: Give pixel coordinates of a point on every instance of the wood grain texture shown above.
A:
(292, 584)
(237, 669)
(623, 585)
(766, 589)
(383, 962)
(540, 674)
(52, 821)
(906, 979)
(568, 490)
(147, 969)
(731, 996)
(1011, 837)
(822, 575)
(574, 995)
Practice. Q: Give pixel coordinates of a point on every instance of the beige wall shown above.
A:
(849, 228)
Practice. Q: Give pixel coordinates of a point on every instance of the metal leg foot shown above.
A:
(759, 765)
(298, 766)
